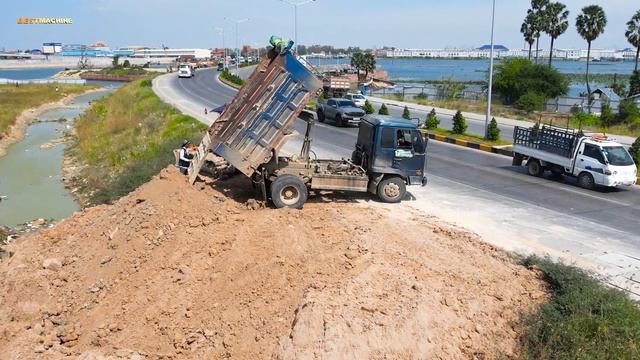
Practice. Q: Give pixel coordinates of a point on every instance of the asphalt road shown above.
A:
(483, 192)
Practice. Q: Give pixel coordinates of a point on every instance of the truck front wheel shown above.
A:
(288, 191)
(585, 180)
(321, 116)
(534, 168)
(392, 190)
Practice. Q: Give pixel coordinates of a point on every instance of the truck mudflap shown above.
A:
(255, 122)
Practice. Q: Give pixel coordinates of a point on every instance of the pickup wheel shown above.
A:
(321, 116)
(392, 190)
(534, 168)
(339, 120)
(585, 180)
(288, 191)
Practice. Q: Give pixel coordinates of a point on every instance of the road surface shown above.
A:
(485, 194)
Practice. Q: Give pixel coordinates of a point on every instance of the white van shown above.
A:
(184, 71)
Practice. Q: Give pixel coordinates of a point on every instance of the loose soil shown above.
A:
(174, 271)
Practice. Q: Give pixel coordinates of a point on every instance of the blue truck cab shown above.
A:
(393, 152)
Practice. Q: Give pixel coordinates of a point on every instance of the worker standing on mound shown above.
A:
(185, 158)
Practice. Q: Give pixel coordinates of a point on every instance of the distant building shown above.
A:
(172, 53)
(51, 48)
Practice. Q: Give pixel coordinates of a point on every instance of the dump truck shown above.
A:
(389, 155)
(595, 160)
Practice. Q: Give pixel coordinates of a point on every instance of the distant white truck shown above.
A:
(595, 159)
(185, 71)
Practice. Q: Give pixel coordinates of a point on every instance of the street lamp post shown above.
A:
(295, 13)
(489, 94)
(237, 22)
(224, 48)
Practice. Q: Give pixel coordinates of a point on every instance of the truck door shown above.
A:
(590, 159)
(403, 150)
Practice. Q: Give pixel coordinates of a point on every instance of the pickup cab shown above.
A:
(342, 111)
(594, 160)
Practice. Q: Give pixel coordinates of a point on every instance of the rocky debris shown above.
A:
(173, 271)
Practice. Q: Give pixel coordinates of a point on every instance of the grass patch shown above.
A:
(231, 79)
(14, 100)
(468, 137)
(583, 319)
(125, 138)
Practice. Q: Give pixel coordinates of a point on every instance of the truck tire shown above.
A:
(339, 120)
(321, 116)
(585, 180)
(288, 191)
(392, 190)
(534, 168)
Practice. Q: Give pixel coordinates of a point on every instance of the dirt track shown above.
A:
(174, 271)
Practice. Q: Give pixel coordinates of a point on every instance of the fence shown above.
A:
(568, 104)
(43, 81)
(433, 92)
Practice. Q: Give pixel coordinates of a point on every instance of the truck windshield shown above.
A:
(617, 155)
(345, 103)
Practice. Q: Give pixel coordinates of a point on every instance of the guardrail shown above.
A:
(43, 81)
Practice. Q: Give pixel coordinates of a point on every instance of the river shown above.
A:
(31, 176)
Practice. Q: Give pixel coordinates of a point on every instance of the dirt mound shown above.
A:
(179, 271)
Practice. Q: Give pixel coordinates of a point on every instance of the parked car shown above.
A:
(342, 111)
(357, 99)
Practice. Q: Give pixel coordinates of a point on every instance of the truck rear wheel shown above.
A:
(585, 180)
(534, 168)
(288, 191)
(392, 190)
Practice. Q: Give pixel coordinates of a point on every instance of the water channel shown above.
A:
(31, 175)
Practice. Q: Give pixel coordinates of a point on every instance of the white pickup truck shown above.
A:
(594, 160)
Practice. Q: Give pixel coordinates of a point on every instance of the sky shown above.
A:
(341, 23)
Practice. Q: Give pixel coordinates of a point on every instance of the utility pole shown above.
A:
(236, 21)
(224, 48)
(295, 17)
(489, 94)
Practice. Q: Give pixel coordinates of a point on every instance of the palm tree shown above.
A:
(528, 30)
(633, 34)
(538, 21)
(590, 24)
(556, 15)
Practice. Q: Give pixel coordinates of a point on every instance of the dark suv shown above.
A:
(342, 111)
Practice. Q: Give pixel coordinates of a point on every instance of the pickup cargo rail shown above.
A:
(254, 125)
(556, 141)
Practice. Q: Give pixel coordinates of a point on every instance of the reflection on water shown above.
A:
(31, 176)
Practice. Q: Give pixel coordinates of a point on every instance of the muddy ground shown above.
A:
(176, 271)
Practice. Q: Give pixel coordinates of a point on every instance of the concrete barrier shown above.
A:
(469, 144)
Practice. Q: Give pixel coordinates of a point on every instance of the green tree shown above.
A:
(383, 110)
(556, 15)
(368, 108)
(633, 34)
(531, 101)
(406, 114)
(363, 62)
(432, 121)
(634, 150)
(528, 30)
(606, 115)
(459, 123)
(538, 20)
(493, 131)
(628, 111)
(126, 64)
(619, 88)
(114, 61)
(590, 24)
(634, 83)
(515, 77)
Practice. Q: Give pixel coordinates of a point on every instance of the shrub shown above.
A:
(406, 114)
(634, 150)
(321, 99)
(583, 319)
(232, 78)
(432, 121)
(146, 83)
(459, 123)
(493, 132)
(126, 64)
(383, 110)
(517, 76)
(421, 96)
(531, 101)
(368, 108)
(628, 111)
(634, 83)
(587, 119)
(606, 115)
